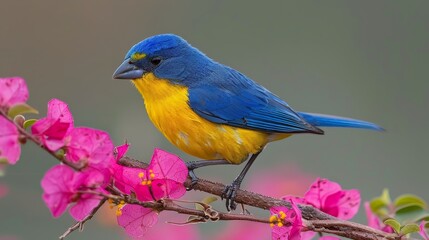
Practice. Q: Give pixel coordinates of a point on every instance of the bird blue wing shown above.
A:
(230, 98)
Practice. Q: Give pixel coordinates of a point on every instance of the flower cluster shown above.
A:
(323, 194)
(162, 178)
(91, 153)
(14, 92)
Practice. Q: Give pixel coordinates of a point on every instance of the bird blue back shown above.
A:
(223, 95)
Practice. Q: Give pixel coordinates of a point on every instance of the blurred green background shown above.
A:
(361, 59)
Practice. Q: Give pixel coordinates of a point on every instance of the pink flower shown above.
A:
(286, 223)
(10, 148)
(329, 238)
(374, 221)
(4, 190)
(423, 232)
(91, 146)
(121, 150)
(13, 91)
(55, 126)
(331, 199)
(164, 177)
(126, 178)
(136, 220)
(62, 186)
(164, 229)
(287, 178)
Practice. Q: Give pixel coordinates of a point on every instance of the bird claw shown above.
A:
(194, 178)
(229, 193)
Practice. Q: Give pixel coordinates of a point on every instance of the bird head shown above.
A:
(167, 56)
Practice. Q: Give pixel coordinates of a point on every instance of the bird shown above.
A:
(212, 111)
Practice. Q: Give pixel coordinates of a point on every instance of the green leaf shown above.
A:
(385, 196)
(409, 199)
(394, 224)
(378, 204)
(21, 109)
(28, 123)
(409, 228)
(3, 160)
(206, 200)
(209, 200)
(411, 214)
(408, 207)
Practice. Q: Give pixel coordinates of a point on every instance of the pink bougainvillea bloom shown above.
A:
(286, 223)
(136, 219)
(55, 126)
(62, 186)
(164, 177)
(126, 178)
(121, 151)
(90, 146)
(374, 221)
(423, 232)
(10, 148)
(330, 198)
(13, 91)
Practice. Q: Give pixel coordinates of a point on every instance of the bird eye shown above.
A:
(155, 61)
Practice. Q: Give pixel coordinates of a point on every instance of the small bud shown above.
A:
(19, 120)
(22, 139)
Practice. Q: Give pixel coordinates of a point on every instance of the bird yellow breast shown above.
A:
(167, 106)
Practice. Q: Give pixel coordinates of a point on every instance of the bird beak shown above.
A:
(128, 71)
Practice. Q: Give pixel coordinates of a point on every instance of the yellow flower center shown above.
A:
(277, 219)
(147, 181)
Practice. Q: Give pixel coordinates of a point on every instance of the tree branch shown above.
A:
(79, 225)
(315, 219)
(34, 139)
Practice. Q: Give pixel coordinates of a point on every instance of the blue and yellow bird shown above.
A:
(212, 111)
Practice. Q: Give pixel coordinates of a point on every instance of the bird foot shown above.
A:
(229, 193)
(194, 178)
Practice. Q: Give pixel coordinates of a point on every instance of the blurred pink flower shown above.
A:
(136, 220)
(13, 91)
(4, 190)
(331, 199)
(10, 148)
(286, 223)
(62, 186)
(423, 232)
(164, 229)
(288, 179)
(55, 126)
(329, 238)
(90, 146)
(374, 221)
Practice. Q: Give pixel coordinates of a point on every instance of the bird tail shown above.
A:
(323, 120)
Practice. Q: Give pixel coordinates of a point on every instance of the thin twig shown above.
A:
(79, 225)
(34, 139)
